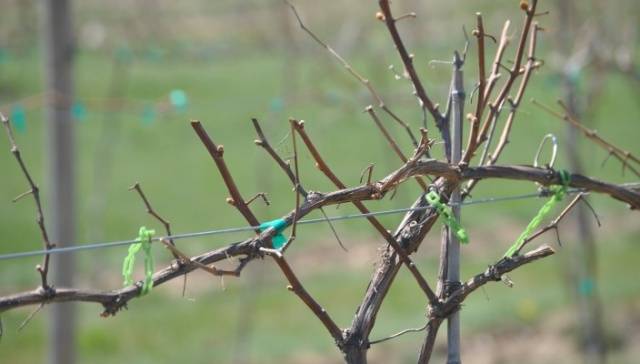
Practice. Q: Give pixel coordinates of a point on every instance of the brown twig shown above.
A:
(398, 334)
(216, 153)
(35, 192)
(263, 142)
(259, 195)
(297, 288)
(407, 61)
(494, 76)
(364, 81)
(151, 211)
(482, 77)
(297, 179)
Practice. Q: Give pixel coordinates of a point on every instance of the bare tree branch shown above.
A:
(407, 60)
(35, 192)
(297, 288)
(216, 153)
(364, 81)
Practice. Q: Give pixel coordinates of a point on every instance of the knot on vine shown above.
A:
(114, 306)
(313, 196)
(352, 340)
(493, 273)
(451, 286)
(408, 232)
(436, 311)
(47, 292)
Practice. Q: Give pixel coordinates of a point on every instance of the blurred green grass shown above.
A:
(183, 185)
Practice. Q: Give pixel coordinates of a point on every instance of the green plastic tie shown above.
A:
(144, 243)
(278, 240)
(558, 194)
(445, 211)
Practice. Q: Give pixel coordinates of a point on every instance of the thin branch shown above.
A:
(407, 60)
(216, 153)
(152, 212)
(364, 81)
(35, 192)
(495, 73)
(369, 172)
(482, 77)
(297, 288)
(263, 142)
(398, 334)
(473, 139)
(292, 123)
(30, 317)
(259, 195)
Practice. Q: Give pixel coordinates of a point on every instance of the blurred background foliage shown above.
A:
(240, 59)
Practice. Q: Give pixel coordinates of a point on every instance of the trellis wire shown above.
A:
(111, 244)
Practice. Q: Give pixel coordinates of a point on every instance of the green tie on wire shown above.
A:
(144, 243)
(278, 240)
(558, 194)
(445, 211)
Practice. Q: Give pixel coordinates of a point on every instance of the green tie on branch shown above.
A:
(278, 240)
(558, 194)
(449, 219)
(144, 243)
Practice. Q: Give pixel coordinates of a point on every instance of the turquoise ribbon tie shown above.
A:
(278, 240)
